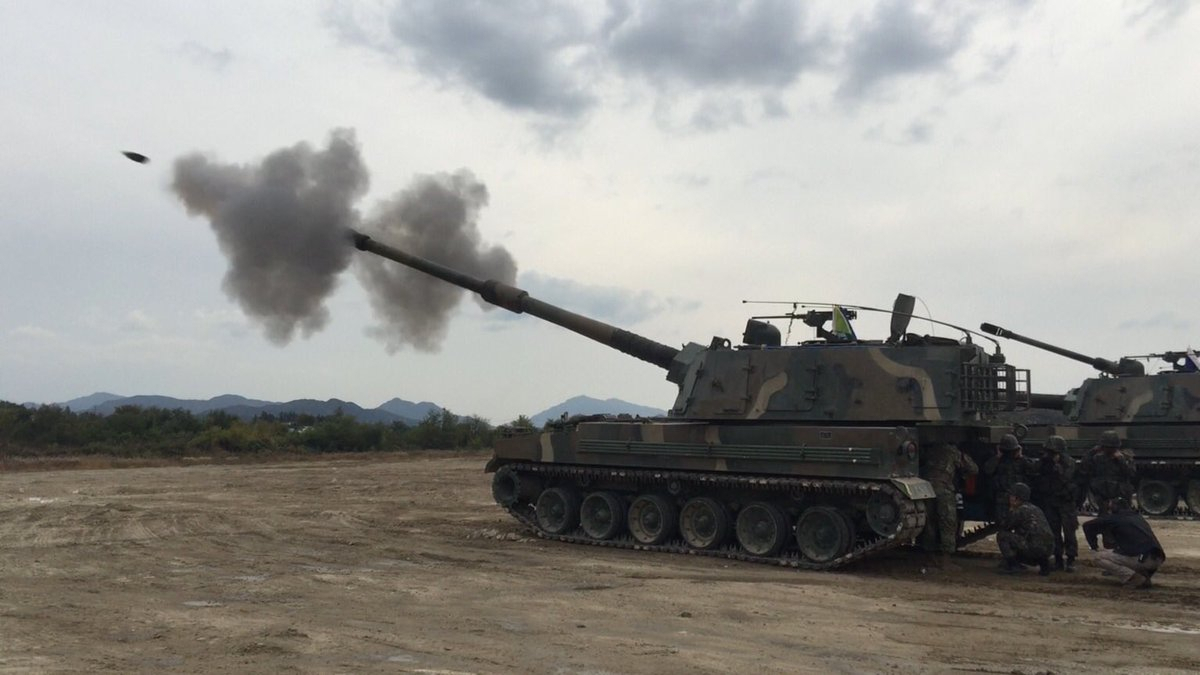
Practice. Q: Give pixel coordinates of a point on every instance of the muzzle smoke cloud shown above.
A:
(283, 222)
(435, 218)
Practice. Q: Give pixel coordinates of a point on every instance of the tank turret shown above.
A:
(904, 379)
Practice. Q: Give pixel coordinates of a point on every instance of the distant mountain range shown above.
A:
(395, 410)
(586, 405)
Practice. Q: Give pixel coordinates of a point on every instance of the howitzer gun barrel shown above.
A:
(1124, 367)
(516, 300)
(1047, 401)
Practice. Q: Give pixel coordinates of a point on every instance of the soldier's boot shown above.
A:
(1137, 581)
(946, 562)
(1058, 562)
(1070, 565)
(1044, 567)
(1010, 566)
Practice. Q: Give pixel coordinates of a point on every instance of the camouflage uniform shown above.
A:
(1054, 492)
(1025, 536)
(941, 466)
(1006, 469)
(1107, 471)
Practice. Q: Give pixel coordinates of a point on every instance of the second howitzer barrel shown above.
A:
(1124, 367)
(516, 300)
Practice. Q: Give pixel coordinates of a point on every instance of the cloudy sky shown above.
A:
(653, 164)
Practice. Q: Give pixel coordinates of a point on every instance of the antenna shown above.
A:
(798, 305)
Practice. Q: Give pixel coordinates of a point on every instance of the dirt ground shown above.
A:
(404, 564)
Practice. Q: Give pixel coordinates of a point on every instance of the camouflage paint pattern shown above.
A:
(850, 383)
(879, 453)
(1161, 398)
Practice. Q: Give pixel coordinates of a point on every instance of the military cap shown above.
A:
(1008, 443)
(1020, 491)
(1110, 439)
(1056, 444)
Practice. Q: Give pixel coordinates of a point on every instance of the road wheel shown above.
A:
(704, 523)
(1156, 497)
(558, 510)
(762, 529)
(883, 516)
(651, 519)
(1193, 497)
(506, 486)
(602, 515)
(822, 534)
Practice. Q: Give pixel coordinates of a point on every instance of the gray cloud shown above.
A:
(709, 43)
(435, 218)
(714, 59)
(897, 41)
(918, 132)
(773, 106)
(1159, 15)
(138, 321)
(691, 179)
(528, 55)
(1164, 319)
(618, 306)
(717, 114)
(213, 59)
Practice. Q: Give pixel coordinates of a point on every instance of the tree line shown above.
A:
(132, 431)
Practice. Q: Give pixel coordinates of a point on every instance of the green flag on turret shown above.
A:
(841, 325)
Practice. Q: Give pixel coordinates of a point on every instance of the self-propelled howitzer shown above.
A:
(1157, 415)
(805, 455)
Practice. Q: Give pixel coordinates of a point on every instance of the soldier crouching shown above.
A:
(1024, 537)
(1136, 554)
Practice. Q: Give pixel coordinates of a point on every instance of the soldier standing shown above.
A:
(1054, 492)
(942, 466)
(1107, 471)
(1007, 468)
(1024, 537)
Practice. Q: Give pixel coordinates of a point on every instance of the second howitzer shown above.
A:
(805, 455)
(1155, 417)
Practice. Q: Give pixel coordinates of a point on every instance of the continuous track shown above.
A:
(909, 523)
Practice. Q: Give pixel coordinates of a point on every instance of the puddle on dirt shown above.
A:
(1172, 628)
